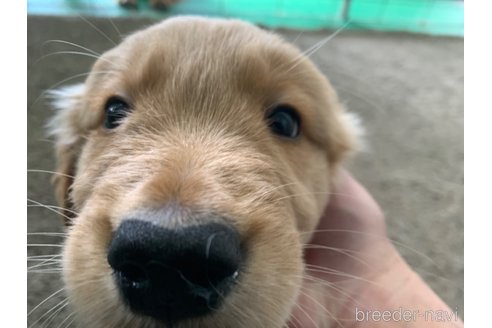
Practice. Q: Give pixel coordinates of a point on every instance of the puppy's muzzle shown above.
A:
(172, 274)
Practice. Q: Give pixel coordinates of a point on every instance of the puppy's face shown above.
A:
(201, 151)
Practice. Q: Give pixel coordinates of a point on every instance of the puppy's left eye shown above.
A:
(116, 109)
(284, 121)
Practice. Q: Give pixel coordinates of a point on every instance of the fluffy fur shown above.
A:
(197, 136)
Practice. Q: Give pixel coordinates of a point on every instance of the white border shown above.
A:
(478, 163)
(14, 164)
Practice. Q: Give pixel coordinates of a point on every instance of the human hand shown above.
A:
(351, 265)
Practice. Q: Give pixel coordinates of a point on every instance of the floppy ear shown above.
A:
(66, 128)
(346, 135)
(355, 129)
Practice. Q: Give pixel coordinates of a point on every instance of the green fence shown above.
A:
(441, 17)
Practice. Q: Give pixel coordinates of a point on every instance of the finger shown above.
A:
(350, 200)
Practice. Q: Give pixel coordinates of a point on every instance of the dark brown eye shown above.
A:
(284, 121)
(116, 110)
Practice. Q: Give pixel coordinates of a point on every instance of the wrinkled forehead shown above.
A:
(192, 59)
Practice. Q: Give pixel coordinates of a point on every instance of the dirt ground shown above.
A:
(408, 90)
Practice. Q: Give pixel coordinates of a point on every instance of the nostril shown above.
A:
(133, 274)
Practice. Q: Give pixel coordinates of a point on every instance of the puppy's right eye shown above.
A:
(284, 121)
(116, 109)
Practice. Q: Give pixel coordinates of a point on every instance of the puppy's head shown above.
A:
(197, 154)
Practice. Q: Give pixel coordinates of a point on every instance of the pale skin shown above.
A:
(354, 268)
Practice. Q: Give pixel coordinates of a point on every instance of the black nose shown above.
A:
(174, 274)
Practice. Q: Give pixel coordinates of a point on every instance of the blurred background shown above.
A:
(442, 17)
(398, 64)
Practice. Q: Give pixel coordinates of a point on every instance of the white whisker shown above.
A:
(306, 314)
(51, 234)
(97, 29)
(68, 317)
(116, 28)
(54, 311)
(37, 257)
(54, 209)
(307, 53)
(45, 300)
(72, 44)
(377, 236)
(322, 307)
(67, 53)
(44, 245)
(337, 250)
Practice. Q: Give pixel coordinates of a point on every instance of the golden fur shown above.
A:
(197, 136)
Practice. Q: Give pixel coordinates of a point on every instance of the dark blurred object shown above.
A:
(156, 4)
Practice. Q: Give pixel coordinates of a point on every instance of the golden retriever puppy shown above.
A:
(198, 155)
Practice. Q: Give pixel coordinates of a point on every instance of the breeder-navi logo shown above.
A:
(400, 315)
